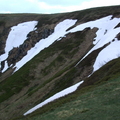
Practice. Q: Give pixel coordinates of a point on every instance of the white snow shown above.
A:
(105, 34)
(5, 67)
(60, 31)
(16, 37)
(54, 97)
(109, 53)
(18, 34)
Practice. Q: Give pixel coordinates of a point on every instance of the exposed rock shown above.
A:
(118, 36)
(117, 25)
(46, 33)
(3, 36)
(2, 66)
(33, 37)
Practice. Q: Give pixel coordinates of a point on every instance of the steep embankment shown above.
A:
(76, 43)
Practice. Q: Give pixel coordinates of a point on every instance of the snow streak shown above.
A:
(54, 97)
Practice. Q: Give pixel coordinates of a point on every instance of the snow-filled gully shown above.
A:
(106, 34)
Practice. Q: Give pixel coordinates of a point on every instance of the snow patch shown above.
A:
(5, 67)
(16, 37)
(18, 34)
(105, 34)
(54, 97)
(109, 53)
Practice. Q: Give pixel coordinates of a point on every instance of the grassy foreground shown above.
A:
(100, 103)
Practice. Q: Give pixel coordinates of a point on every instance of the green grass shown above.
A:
(32, 90)
(98, 99)
(100, 102)
(2, 23)
(62, 83)
(67, 51)
(15, 83)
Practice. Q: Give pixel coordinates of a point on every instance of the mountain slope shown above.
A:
(97, 101)
(101, 42)
(79, 44)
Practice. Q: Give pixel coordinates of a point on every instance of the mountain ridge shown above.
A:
(53, 69)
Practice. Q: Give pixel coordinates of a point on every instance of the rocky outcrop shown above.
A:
(3, 36)
(46, 33)
(33, 37)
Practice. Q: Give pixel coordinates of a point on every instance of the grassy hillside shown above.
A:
(52, 70)
(98, 100)
(101, 102)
